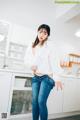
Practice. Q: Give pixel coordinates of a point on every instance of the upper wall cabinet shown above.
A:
(13, 44)
(4, 42)
(14, 40)
(16, 51)
(4, 31)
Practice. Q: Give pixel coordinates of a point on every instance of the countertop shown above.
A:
(29, 73)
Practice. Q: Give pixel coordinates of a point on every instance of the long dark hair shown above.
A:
(47, 28)
(37, 41)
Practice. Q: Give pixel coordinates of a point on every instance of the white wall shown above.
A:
(65, 37)
(64, 42)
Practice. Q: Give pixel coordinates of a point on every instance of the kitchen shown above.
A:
(18, 23)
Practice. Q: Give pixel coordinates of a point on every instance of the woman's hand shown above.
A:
(59, 85)
(34, 68)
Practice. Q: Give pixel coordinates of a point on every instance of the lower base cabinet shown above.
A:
(78, 94)
(5, 86)
(67, 99)
(16, 93)
(71, 95)
(55, 101)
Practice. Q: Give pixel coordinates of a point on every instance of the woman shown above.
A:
(42, 81)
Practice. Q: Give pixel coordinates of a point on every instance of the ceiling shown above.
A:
(75, 20)
(30, 13)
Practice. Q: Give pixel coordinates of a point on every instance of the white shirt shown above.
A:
(43, 59)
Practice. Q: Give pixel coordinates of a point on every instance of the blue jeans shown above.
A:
(41, 87)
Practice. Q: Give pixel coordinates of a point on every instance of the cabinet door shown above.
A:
(55, 101)
(5, 82)
(70, 95)
(78, 94)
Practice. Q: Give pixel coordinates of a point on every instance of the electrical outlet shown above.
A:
(3, 115)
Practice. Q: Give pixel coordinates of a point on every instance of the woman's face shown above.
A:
(42, 34)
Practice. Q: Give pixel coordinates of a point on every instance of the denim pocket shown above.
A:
(34, 79)
(51, 81)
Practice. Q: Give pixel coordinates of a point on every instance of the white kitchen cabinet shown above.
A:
(21, 35)
(21, 95)
(67, 99)
(78, 94)
(15, 88)
(5, 84)
(16, 51)
(70, 96)
(55, 101)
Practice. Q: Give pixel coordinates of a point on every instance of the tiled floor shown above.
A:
(77, 117)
